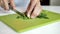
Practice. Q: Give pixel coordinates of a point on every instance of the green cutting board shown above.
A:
(21, 25)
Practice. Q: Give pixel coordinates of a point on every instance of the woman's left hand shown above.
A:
(34, 9)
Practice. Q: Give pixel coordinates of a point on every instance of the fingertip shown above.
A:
(7, 9)
(33, 17)
(35, 14)
(28, 15)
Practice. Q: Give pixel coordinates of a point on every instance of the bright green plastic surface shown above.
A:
(21, 25)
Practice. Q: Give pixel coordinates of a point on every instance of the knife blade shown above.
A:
(16, 11)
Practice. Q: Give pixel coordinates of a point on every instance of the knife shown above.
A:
(16, 11)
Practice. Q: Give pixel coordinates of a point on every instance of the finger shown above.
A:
(37, 10)
(12, 4)
(6, 6)
(30, 7)
(0, 2)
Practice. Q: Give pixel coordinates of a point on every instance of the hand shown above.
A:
(5, 4)
(34, 9)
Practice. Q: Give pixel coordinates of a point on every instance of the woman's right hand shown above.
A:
(5, 4)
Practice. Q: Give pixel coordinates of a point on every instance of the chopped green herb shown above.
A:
(18, 17)
(43, 16)
(40, 16)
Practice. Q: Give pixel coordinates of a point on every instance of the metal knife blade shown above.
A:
(17, 12)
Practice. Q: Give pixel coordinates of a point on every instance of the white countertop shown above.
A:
(53, 28)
